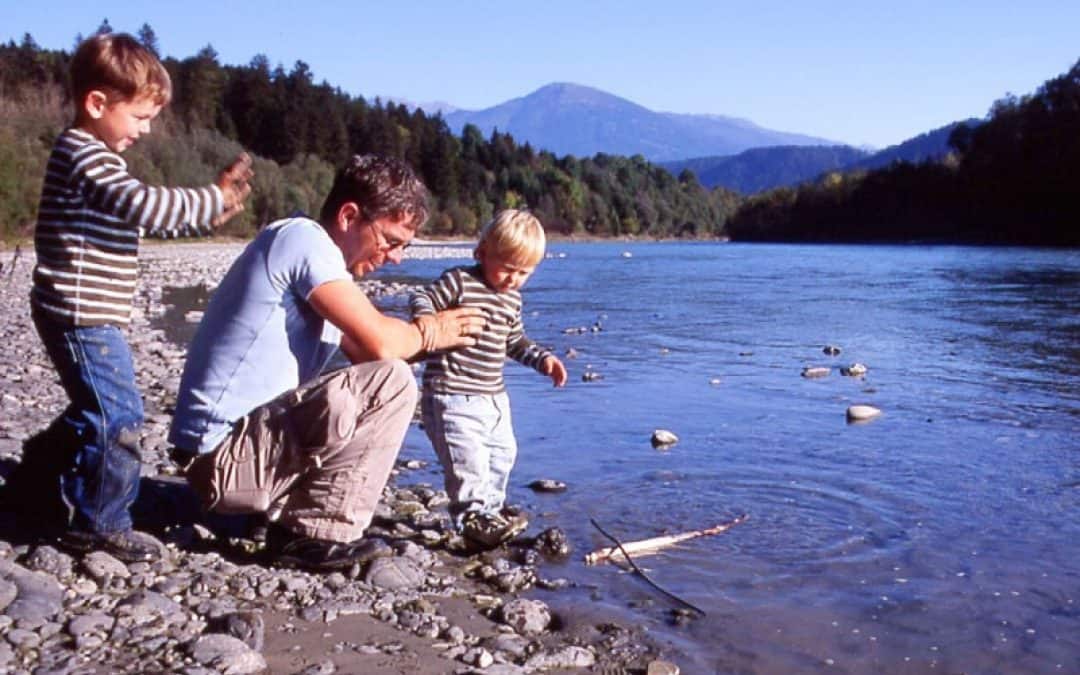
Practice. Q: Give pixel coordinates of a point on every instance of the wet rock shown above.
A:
(854, 370)
(553, 543)
(394, 573)
(659, 667)
(247, 626)
(548, 485)
(8, 593)
(662, 438)
(100, 566)
(567, 657)
(479, 657)
(527, 617)
(862, 413)
(510, 643)
(39, 596)
(50, 561)
(90, 623)
(226, 654)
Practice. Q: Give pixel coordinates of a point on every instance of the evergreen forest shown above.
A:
(1010, 180)
(298, 131)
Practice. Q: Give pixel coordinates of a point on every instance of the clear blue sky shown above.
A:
(872, 73)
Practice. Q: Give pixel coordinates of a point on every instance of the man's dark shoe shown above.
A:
(286, 548)
(126, 545)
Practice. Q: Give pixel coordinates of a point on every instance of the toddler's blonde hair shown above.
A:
(515, 236)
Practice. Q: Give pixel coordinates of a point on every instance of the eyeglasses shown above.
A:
(388, 244)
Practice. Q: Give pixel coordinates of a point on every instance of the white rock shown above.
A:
(662, 438)
(854, 370)
(859, 413)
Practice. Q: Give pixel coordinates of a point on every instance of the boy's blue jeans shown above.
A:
(105, 416)
(473, 436)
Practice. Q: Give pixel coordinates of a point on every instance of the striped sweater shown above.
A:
(91, 215)
(477, 369)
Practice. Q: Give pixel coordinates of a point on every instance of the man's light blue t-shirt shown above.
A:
(259, 337)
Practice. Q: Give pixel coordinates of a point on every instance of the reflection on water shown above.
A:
(942, 536)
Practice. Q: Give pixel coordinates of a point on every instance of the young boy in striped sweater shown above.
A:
(91, 216)
(464, 405)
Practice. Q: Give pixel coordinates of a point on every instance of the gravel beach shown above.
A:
(211, 605)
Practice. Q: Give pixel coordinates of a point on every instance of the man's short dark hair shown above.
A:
(381, 187)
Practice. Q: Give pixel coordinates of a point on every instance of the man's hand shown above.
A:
(450, 328)
(554, 368)
(233, 183)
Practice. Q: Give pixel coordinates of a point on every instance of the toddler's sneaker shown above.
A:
(488, 530)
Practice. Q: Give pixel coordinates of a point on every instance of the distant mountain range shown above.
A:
(570, 119)
(766, 168)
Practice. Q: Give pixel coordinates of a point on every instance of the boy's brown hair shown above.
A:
(120, 66)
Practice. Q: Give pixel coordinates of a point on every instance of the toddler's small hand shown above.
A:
(554, 368)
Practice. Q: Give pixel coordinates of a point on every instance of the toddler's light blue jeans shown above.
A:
(474, 439)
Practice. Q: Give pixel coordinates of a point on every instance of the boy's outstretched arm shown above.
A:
(554, 368)
(108, 188)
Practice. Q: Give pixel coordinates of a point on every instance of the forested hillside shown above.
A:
(1010, 180)
(299, 130)
(760, 169)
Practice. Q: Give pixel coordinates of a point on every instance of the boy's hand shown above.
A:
(554, 368)
(233, 182)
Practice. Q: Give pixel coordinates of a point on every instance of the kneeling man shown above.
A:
(259, 427)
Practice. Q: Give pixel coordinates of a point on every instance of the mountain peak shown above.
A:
(574, 119)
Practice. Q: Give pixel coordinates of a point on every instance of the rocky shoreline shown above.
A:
(210, 605)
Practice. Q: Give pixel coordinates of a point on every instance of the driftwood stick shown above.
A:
(653, 545)
(643, 575)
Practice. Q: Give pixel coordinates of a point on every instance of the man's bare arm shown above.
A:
(370, 335)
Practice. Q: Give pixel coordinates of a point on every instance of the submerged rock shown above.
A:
(662, 438)
(548, 485)
(854, 370)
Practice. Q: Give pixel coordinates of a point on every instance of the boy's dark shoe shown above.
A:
(487, 531)
(286, 548)
(126, 545)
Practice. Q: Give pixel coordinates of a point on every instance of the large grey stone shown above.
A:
(567, 657)
(527, 617)
(39, 596)
(395, 573)
(226, 654)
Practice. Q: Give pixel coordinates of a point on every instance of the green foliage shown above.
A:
(1011, 180)
(299, 130)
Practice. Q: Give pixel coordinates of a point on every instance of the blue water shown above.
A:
(943, 536)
